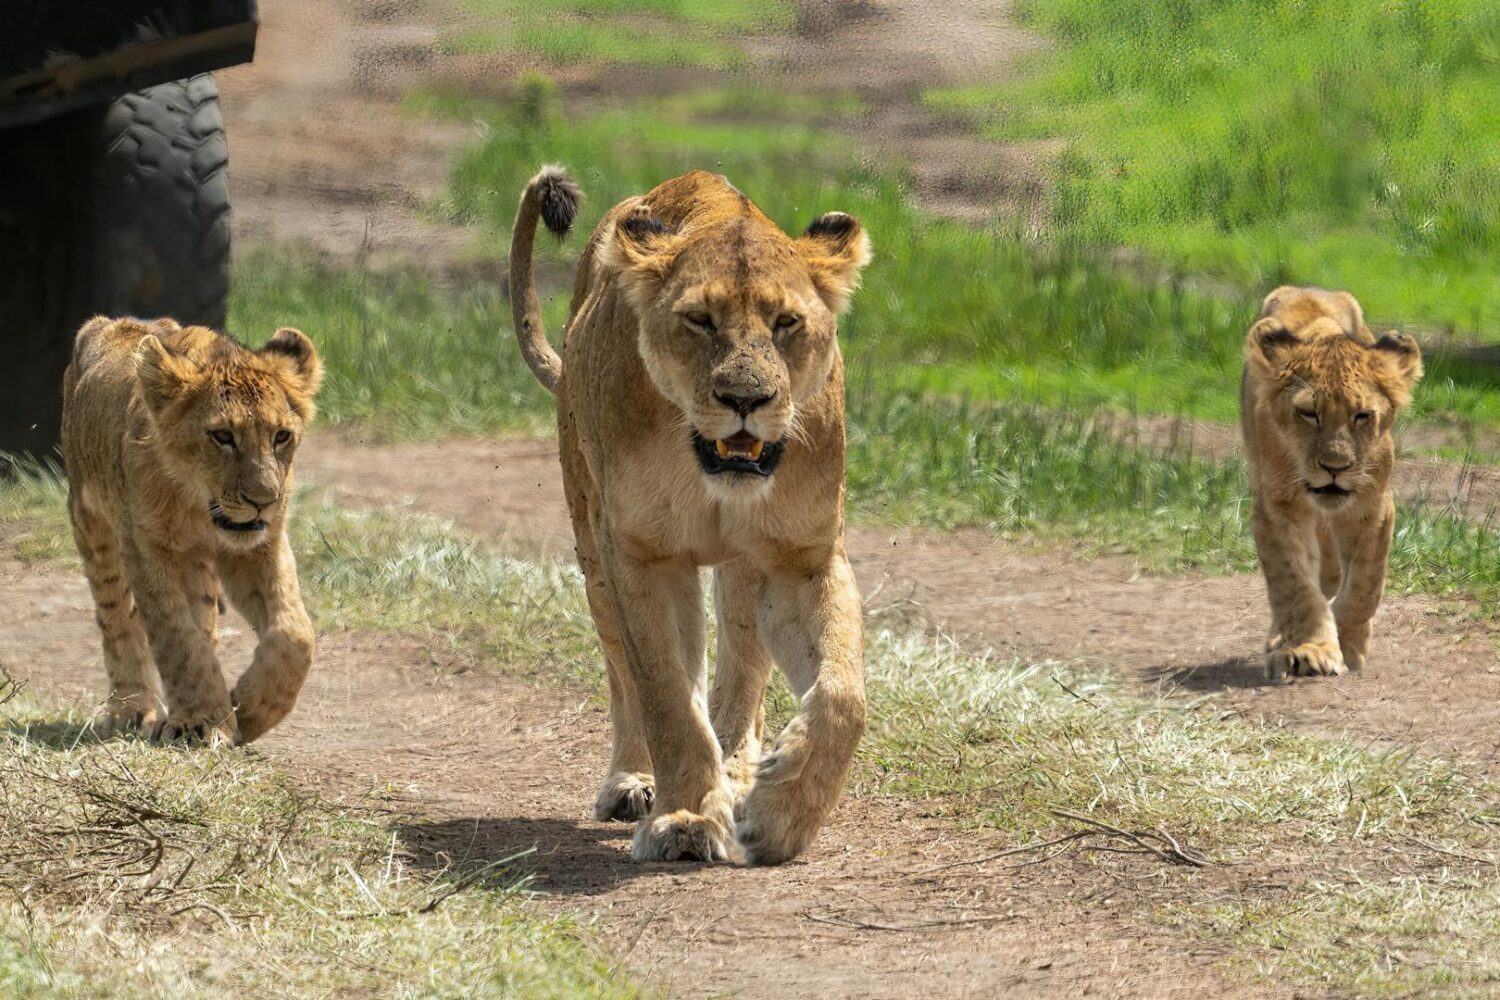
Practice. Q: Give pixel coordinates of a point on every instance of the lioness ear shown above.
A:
(297, 353)
(1404, 360)
(643, 250)
(836, 250)
(163, 376)
(1266, 342)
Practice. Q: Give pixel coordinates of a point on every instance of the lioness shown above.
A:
(700, 405)
(178, 444)
(1318, 397)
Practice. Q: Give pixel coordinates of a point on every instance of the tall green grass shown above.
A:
(1335, 142)
(945, 306)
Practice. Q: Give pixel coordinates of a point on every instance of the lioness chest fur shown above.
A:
(700, 406)
(1319, 398)
(179, 446)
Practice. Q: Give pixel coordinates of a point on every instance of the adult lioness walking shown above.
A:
(179, 446)
(1319, 396)
(700, 403)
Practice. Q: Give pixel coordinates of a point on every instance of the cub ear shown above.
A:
(1404, 360)
(1267, 342)
(836, 250)
(643, 249)
(299, 357)
(163, 376)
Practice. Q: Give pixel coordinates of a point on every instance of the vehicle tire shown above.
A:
(121, 210)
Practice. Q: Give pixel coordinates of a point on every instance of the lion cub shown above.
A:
(1318, 397)
(179, 444)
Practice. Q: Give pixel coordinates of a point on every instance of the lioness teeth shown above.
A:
(721, 448)
(756, 449)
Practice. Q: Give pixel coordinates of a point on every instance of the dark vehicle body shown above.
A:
(113, 190)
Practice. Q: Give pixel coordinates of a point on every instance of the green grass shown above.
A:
(1332, 142)
(697, 33)
(945, 306)
(130, 870)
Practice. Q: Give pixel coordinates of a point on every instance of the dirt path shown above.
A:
(481, 766)
(1433, 680)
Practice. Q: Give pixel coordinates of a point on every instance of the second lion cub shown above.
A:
(1318, 398)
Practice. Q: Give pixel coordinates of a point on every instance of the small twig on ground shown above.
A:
(1081, 697)
(1436, 849)
(1023, 849)
(1173, 853)
(839, 920)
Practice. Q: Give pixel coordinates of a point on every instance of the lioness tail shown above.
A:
(553, 198)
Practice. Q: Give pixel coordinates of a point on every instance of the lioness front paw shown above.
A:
(625, 796)
(1311, 659)
(682, 836)
(195, 730)
(125, 714)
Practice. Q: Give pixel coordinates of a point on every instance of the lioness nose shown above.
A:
(745, 401)
(1334, 469)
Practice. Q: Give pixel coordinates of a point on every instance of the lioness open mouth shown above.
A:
(1329, 490)
(740, 452)
(221, 521)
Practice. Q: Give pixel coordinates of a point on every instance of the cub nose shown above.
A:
(258, 501)
(745, 401)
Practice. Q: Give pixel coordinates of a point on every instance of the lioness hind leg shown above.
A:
(628, 789)
(134, 688)
(737, 699)
(811, 622)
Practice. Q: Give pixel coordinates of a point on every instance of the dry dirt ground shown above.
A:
(480, 765)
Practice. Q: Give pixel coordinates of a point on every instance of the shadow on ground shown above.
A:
(1236, 673)
(557, 856)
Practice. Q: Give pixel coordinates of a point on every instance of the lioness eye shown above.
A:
(282, 437)
(223, 437)
(1311, 416)
(786, 321)
(1363, 417)
(702, 319)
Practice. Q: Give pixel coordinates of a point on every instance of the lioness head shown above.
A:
(738, 326)
(227, 420)
(1331, 388)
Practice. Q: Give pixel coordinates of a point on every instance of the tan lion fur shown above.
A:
(141, 402)
(692, 312)
(1319, 396)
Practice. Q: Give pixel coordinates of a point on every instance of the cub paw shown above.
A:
(624, 797)
(1311, 659)
(681, 836)
(195, 731)
(125, 714)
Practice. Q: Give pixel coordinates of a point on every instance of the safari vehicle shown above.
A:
(113, 195)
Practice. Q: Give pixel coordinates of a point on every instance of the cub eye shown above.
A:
(282, 437)
(1311, 416)
(223, 437)
(1363, 417)
(787, 320)
(702, 319)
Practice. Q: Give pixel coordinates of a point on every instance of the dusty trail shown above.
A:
(479, 766)
(1433, 680)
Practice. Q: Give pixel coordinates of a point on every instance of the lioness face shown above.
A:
(229, 425)
(1335, 402)
(738, 328)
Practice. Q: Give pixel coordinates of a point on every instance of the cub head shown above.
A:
(738, 327)
(1330, 389)
(226, 420)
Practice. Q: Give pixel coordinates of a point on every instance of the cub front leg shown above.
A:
(810, 619)
(170, 590)
(262, 584)
(1290, 558)
(659, 612)
(1365, 544)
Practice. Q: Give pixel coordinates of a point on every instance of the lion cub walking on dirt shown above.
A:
(1318, 398)
(700, 412)
(179, 444)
